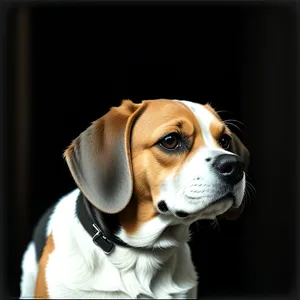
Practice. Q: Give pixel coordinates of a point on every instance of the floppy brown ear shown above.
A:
(238, 148)
(99, 159)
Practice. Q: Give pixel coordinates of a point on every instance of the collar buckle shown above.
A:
(101, 240)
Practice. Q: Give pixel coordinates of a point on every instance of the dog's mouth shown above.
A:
(216, 207)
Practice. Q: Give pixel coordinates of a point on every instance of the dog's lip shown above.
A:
(226, 197)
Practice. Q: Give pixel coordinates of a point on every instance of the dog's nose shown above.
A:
(230, 168)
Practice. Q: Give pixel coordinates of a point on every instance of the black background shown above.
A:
(241, 58)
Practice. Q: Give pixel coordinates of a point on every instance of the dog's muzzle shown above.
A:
(229, 169)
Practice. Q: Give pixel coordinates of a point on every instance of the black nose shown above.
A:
(230, 168)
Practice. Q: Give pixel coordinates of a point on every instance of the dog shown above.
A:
(144, 173)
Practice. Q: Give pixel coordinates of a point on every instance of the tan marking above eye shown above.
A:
(217, 127)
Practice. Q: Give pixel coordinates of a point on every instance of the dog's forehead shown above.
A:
(160, 113)
(163, 115)
(205, 116)
(165, 109)
(162, 110)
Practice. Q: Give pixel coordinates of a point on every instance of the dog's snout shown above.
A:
(230, 167)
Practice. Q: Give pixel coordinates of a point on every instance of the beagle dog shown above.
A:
(144, 173)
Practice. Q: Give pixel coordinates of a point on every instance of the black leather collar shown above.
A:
(93, 222)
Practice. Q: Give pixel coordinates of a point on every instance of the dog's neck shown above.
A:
(104, 229)
(100, 226)
(145, 270)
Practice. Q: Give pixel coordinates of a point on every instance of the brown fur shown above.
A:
(102, 151)
(41, 289)
(212, 110)
(217, 128)
(119, 116)
(140, 126)
(151, 166)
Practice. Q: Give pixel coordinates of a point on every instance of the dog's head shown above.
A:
(159, 164)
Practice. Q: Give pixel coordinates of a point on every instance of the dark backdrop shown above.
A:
(66, 65)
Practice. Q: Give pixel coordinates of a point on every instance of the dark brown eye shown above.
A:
(224, 141)
(170, 141)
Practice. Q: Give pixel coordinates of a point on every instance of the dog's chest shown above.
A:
(160, 274)
(79, 269)
(125, 276)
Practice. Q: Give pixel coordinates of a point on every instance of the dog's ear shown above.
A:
(238, 148)
(99, 159)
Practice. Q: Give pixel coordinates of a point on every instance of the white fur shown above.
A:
(163, 268)
(193, 190)
(30, 266)
(196, 186)
(77, 268)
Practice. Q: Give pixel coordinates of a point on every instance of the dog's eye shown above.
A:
(224, 141)
(170, 141)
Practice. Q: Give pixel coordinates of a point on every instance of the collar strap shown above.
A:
(86, 213)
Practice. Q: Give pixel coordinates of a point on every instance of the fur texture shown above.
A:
(124, 167)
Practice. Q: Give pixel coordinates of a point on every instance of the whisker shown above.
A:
(248, 176)
(217, 226)
(247, 198)
(231, 124)
(249, 193)
(248, 182)
(224, 111)
(251, 187)
(234, 120)
(230, 121)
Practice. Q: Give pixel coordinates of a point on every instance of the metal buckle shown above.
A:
(99, 234)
